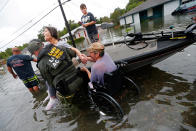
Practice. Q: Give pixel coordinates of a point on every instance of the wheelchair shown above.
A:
(102, 95)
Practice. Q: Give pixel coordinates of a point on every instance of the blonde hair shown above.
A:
(96, 47)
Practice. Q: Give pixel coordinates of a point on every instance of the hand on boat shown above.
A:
(85, 25)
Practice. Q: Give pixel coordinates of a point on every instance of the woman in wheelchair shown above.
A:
(103, 67)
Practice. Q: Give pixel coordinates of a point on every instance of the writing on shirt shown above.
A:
(85, 19)
(55, 54)
(17, 63)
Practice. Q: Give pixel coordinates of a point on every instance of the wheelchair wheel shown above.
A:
(132, 85)
(107, 105)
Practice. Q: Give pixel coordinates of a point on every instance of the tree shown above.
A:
(105, 19)
(63, 32)
(8, 52)
(132, 4)
(40, 34)
(23, 46)
(72, 25)
(3, 55)
(116, 14)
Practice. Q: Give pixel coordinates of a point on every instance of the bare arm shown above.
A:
(78, 53)
(87, 71)
(90, 23)
(11, 72)
(82, 57)
(90, 59)
(89, 74)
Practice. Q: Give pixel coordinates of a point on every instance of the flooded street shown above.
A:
(167, 101)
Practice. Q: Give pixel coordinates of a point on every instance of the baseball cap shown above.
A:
(97, 46)
(34, 45)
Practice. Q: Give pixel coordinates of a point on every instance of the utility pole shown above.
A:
(66, 23)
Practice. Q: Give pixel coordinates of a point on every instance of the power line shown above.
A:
(66, 22)
(29, 27)
(70, 9)
(4, 5)
(32, 25)
(27, 23)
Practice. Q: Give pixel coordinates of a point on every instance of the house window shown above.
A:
(129, 19)
(150, 12)
(122, 21)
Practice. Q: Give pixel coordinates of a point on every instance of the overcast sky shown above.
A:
(14, 14)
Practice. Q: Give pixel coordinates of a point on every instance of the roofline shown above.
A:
(123, 16)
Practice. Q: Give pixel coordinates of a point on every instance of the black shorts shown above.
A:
(93, 37)
(30, 82)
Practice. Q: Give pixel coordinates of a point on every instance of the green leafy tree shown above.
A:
(8, 52)
(105, 19)
(72, 25)
(23, 46)
(3, 55)
(116, 14)
(63, 32)
(40, 34)
(119, 12)
(132, 4)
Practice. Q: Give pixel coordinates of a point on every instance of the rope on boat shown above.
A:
(136, 43)
(132, 42)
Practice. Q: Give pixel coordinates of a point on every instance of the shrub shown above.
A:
(77, 40)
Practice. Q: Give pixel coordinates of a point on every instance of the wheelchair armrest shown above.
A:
(108, 74)
(100, 87)
(97, 85)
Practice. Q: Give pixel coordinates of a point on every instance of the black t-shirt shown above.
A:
(55, 64)
(86, 19)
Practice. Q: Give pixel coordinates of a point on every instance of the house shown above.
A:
(149, 10)
(78, 32)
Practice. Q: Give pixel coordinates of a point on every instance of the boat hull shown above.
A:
(164, 50)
